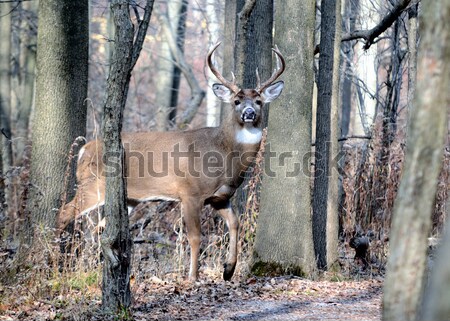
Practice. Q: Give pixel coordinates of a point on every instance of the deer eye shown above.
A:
(237, 102)
(259, 102)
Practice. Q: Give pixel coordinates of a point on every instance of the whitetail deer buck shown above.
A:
(195, 167)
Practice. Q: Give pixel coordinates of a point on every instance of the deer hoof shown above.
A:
(228, 271)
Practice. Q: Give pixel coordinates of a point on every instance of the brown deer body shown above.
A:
(195, 167)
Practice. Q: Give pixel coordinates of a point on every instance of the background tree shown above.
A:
(116, 240)
(325, 195)
(5, 97)
(423, 161)
(168, 75)
(257, 56)
(284, 236)
(215, 28)
(60, 116)
(27, 66)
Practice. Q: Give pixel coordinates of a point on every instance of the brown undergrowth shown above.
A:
(56, 286)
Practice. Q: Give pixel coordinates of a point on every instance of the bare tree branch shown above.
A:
(197, 92)
(370, 35)
(142, 31)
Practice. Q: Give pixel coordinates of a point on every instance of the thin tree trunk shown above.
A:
(285, 196)
(412, 49)
(325, 196)
(240, 49)
(351, 12)
(229, 35)
(116, 240)
(212, 103)
(5, 96)
(180, 31)
(413, 205)
(28, 63)
(166, 66)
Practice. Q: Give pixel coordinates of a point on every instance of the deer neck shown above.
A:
(240, 137)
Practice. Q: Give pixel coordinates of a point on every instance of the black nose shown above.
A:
(248, 114)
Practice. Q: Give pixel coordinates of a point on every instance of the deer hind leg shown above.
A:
(225, 210)
(190, 209)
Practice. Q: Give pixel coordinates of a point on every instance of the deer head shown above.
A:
(247, 103)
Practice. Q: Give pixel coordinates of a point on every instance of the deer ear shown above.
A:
(222, 92)
(273, 91)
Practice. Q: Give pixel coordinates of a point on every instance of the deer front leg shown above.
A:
(191, 214)
(226, 212)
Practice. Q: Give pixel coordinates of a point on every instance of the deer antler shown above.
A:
(230, 85)
(277, 73)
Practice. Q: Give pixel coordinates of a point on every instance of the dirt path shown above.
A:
(282, 298)
(259, 299)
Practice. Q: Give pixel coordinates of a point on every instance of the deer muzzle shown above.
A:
(248, 115)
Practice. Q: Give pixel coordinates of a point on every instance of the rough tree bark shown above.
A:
(116, 240)
(60, 116)
(413, 205)
(284, 235)
(325, 196)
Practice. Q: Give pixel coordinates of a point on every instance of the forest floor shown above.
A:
(45, 292)
(280, 298)
(283, 298)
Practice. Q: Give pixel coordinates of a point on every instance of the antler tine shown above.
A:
(277, 73)
(258, 80)
(230, 85)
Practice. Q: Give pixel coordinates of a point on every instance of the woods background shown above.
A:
(374, 47)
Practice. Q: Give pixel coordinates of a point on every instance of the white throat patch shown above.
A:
(249, 135)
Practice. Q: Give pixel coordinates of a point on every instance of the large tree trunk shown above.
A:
(61, 89)
(284, 233)
(116, 239)
(425, 143)
(325, 196)
(5, 96)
